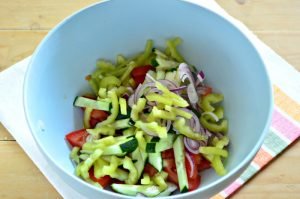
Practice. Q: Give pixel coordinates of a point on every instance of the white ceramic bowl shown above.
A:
(69, 52)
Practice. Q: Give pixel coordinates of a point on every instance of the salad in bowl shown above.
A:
(151, 125)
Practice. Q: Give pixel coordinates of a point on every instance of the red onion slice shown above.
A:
(168, 126)
(185, 73)
(131, 100)
(191, 145)
(178, 88)
(194, 121)
(140, 90)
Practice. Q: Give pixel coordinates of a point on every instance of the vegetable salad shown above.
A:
(151, 125)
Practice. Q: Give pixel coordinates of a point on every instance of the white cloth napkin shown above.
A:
(11, 95)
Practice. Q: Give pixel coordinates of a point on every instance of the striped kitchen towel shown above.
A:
(284, 130)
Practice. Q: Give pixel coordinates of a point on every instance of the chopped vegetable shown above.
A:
(151, 126)
(77, 138)
(137, 108)
(182, 128)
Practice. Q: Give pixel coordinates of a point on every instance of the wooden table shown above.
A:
(23, 24)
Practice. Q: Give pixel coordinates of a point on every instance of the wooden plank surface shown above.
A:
(24, 23)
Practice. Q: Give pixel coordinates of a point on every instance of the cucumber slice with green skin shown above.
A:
(133, 190)
(121, 148)
(120, 116)
(140, 162)
(171, 188)
(155, 160)
(161, 145)
(179, 153)
(90, 103)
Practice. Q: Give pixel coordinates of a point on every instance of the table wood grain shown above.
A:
(24, 23)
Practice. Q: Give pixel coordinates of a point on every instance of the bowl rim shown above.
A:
(221, 179)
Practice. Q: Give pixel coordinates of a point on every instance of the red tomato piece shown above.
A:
(90, 96)
(77, 138)
(170, 168)
(139, 80)
(204, 164)
(191, 166)
(97, 116)
(168, 154)
(208, 90)
(150, 170)
(103, 181)
(139, 73)
(197, 158)
(194, 183)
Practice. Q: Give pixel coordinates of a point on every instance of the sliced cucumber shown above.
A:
(155, 160)
(140, 158)
(90, 103)
(179, 153)
(122, 147)
(133, 190)
(160, 145)
(171, 188)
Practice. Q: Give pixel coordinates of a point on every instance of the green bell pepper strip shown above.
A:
(120, 59)
(99, 144)
(123, 106)
(161, 114)
(218, 165)
(219, 112)
(133, 173)
(213, 151)
(160, 74)
(146, 180)
(102, 130)
(121, 90)
(108, 81)
(137, 108)
(113, 171)
(102, 92)
(153, 97)
(183, 129)
(207, 101)
(129, 131)
(114, 111)
(160, 181)
(164, 64)
(74, 154)
(176, 99)
(105, 66)
(86, 117)
(141, 140)
(179, 112)
(84, 156)
(172, 44)
(77, 169)
(212, 126)
(130, 66)
(161, 131)
(98, 167)
(88, 163)
(97, 74)
(147, 52)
